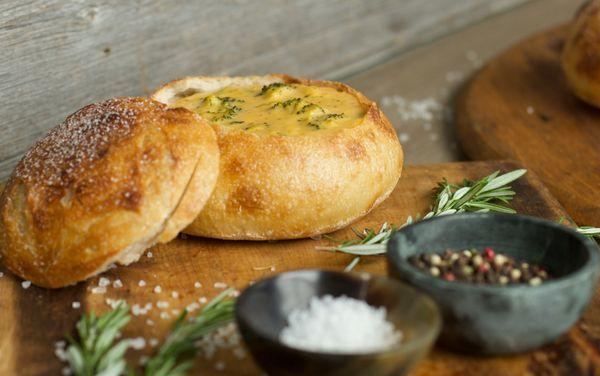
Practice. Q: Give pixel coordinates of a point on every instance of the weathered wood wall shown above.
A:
(57, 56)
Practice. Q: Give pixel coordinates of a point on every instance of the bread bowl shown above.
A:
(113, 179)
(581, 54)
(299, 157)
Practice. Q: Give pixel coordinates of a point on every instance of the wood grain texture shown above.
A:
(61, 55)
(519, 106)
(33, 319)
(435, 70)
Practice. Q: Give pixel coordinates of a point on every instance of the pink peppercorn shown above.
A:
(483, 268)
(449, 277)
(489, 253)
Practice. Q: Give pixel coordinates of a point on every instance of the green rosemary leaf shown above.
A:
(95, 353)
(490, 207)
(502, 180)
(352, 264)
(363, 249)
(589, 231)
(175, 356)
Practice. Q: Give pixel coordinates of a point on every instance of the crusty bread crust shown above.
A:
(581, 54)
(113, 179)
(284, 187)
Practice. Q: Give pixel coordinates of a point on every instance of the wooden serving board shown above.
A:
(33, 319)
(519, 107)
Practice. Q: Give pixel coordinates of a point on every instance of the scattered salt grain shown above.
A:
(472, 56)
(174, 294)
(339, 325)
(103, 282)
(76, 305)
(157, 289)
(25, 284)
(404, 137)
(226, 337)
(202, 300)
(143, 360)
(142, 283)
(220, 285)
(149, 254)
(197, 284)
(137, 310)
(192, 307)
(239, 353)
(99, 290)
(454, 76)
(117, 284)
(137, 343)
(1, 274)
(162, 304)
(422, 109)
(113, 303)
(165, 316)
(153, 342)
(220, 366)
(60, 351)
(530, 110)
(149, 322)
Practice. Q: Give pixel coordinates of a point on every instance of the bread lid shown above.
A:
(112, 180)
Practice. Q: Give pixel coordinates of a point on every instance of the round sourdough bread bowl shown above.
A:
(292, 165)
(581, 54)
(110, 181)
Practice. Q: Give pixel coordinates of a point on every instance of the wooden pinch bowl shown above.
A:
(263, 308)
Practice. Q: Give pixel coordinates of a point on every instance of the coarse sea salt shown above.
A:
(220, 285)
(103, 282)
(339, 325)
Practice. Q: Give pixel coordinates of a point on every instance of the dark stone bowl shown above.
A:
(489, 319)
(262, 310)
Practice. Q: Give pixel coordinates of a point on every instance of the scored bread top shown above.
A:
(101, 187)
(281, 106)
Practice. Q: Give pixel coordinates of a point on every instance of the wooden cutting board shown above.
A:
(33, 319)
(519, 107)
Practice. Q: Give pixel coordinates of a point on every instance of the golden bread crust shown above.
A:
(285, 187)
(581, 54)
(113, 179)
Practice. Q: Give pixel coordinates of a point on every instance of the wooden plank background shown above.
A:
(60, 55)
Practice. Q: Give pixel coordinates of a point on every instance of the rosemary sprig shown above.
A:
(491, 193)
(97, 354)
(589, 231)
(175, 356)
(352, 264)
